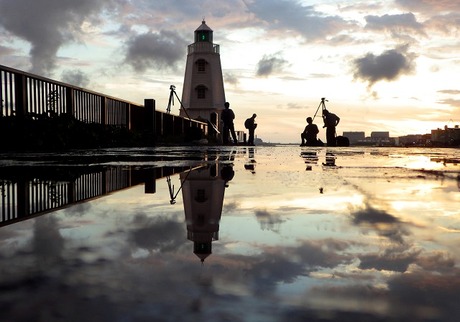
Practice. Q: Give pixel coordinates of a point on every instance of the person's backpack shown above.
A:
(247, 123)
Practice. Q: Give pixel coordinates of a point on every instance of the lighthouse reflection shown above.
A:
(203, 192)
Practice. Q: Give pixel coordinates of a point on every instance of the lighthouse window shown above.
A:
(201, 65)
(200, 195)
(201, 92)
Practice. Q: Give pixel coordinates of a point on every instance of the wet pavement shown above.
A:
(282, 233)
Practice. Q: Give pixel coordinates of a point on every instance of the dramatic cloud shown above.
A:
(270, 64)
(292, 16)
(390, 65)
(155, 50)
(394, 23)
(75, 77)
(46, 25)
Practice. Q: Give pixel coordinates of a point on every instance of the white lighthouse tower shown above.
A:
(203, 94)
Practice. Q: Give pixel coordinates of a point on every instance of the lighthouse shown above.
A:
(203, 94)
(203, 196)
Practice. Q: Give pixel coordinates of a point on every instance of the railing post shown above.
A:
(69, 99)
(20, 94)
(150, 122)
(103, 109)
(23, 199)
(128, 116)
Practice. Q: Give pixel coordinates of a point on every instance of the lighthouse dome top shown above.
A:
(203, 26)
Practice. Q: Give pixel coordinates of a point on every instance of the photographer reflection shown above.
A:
(203, 196)
(250, 164)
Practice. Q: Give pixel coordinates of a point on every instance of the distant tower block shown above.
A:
(203, 94)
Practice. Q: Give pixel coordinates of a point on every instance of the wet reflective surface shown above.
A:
(232, 234)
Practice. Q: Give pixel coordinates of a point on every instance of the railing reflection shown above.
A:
(27, 192)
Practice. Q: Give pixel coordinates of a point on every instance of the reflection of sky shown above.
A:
(378, 241)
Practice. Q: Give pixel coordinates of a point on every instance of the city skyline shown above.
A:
(387, 66)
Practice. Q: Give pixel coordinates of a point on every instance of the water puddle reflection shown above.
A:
(237, 234)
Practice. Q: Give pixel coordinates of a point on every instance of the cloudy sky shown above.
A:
(382, 65)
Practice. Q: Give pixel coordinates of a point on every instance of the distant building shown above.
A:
(380, 135)
(414, 139)
(355, 137)
(446, 137)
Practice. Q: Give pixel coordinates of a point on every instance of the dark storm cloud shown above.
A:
(292, 16)
(75, 77)
(46, 25)
(155, 50)
(406, 21)
(270, 64)
(389, 65)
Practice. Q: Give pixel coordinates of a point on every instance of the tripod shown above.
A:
(173, 93)
(321, 104)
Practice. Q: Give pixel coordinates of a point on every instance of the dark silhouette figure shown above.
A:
(251, 126)
(228, 127)
(309, 134)
(330, 122)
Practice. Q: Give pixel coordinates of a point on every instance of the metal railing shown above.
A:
(22, 94)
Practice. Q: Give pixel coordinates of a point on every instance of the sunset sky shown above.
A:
(383, 65)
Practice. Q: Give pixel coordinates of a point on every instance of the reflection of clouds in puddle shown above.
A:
(312, 262)
(47, 241)
(384, 224)
(268, 221)
(437, 261)
(393, 260)
(230, 207)
(163, 234)
(78, 210)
